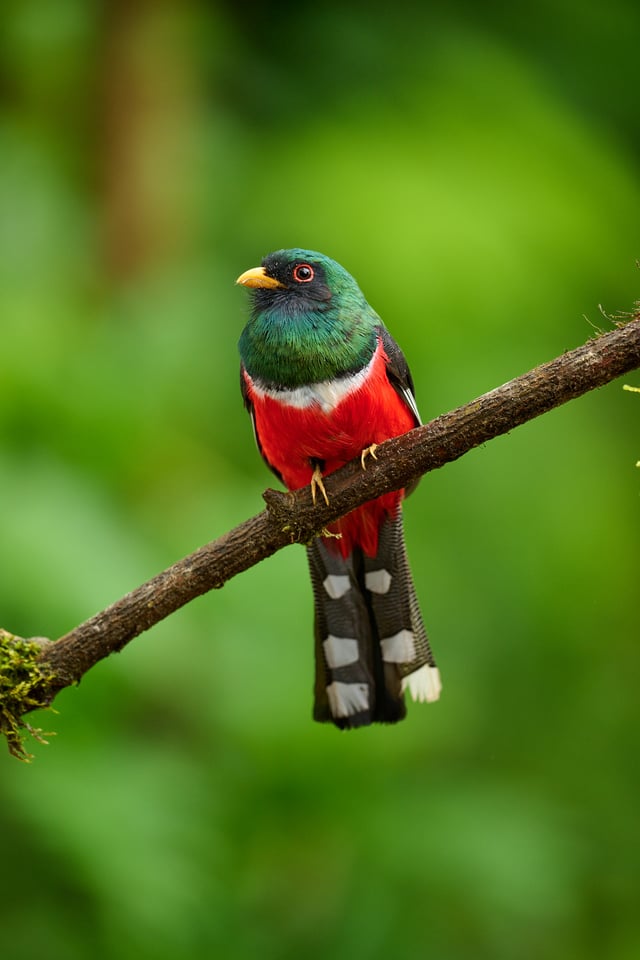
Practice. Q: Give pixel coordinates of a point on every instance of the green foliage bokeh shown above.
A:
(475, 166)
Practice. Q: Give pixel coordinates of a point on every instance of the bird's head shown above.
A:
(309, 319)
(300, 280)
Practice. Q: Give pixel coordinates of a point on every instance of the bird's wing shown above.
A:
(249, 406)
(399, 374)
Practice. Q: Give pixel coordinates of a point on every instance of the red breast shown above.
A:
(292, 435)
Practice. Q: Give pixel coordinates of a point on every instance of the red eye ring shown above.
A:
(303, 273)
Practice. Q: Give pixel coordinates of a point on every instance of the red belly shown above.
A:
(291, 437)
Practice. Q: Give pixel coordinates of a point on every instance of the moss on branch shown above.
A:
(24, 677)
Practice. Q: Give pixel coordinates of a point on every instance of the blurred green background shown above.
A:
(475, 166)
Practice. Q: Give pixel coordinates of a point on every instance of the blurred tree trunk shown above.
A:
(147, 93)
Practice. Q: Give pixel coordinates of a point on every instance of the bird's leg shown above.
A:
(316, 481)
(369, 451)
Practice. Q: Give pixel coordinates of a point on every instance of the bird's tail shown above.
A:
(371, 644)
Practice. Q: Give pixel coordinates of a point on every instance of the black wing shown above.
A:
(402, 382)
(398, 372)
(249, 406)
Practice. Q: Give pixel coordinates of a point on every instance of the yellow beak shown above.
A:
(256, 277)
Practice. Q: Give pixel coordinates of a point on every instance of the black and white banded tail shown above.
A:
(371, 644)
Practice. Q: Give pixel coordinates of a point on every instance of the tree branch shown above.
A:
(292, 517)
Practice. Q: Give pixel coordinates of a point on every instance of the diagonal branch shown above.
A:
(291, 517)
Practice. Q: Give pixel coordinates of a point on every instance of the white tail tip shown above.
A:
(424, 684)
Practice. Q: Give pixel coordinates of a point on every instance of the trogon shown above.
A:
(324, 382)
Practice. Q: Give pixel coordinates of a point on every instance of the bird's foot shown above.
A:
(317, 482)
(369, 451)
(329, 534)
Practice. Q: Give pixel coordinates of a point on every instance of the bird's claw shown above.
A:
(317, 482)
(329, 534)
(369, 451)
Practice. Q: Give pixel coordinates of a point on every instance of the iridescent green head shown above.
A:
(309, 320)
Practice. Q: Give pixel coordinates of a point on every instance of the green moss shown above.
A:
(23, 680)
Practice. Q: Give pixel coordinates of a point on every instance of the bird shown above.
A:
(324, 382)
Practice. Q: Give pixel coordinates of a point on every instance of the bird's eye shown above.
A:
(303, 273)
